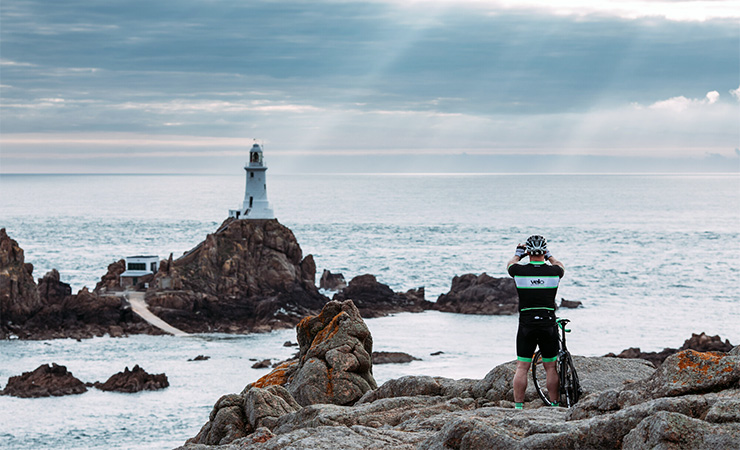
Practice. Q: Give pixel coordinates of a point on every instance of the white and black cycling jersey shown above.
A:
(537, 284)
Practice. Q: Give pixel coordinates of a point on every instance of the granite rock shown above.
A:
(134, 380)
(250, 275)
(480, 294)
(46, 381)
(375, 299)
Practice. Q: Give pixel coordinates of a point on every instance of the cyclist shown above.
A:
(536, 284)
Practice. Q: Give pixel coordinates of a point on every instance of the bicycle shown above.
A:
(570, 387)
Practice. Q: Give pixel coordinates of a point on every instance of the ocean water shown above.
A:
(652, 257)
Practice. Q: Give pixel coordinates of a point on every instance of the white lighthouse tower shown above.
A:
(255, 205)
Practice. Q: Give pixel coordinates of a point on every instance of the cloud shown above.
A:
(679, 104)
(735, 93)
(682, 11)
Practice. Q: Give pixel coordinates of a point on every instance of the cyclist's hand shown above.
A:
(548, 255)
(521, 251)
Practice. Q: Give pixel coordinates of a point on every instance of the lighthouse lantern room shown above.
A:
(255, 205)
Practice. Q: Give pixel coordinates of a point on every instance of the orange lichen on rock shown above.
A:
(278, 377)
(330, 330)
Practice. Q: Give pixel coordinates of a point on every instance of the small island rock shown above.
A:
(135, 380)
(332, 281)
(46, 381)
(479, 294)
(375, 299)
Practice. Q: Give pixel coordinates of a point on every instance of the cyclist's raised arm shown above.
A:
(555, 262)
(520, 253)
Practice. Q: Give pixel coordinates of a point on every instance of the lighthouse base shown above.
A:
(256, 212)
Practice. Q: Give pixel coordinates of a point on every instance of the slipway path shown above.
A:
(139, 306)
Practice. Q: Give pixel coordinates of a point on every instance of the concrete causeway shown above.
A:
(139, 306)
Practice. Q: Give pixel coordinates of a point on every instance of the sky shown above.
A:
(185, 86)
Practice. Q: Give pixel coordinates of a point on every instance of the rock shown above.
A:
(135, 380)
(45, 381)
(200, 358)
(333, 367)
(699, 342)
(265, 363)
(248, 276)
(49, 311)
(226, 423)
(111, 281)
(263, 407)
(392, 358)
(374, 299)
(570, 303)
(290, 344)
(595, 375)
(52, 290)
(335, 363)
(433, 413)
(480, 294)
(436, 353)
(19, 298)
(332, 281)
(703, 343)
(237, 416)
(677, 431)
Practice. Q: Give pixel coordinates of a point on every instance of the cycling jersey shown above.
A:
(537, 284)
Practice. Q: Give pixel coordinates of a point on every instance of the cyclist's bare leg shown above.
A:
(553, 387)
(520, 380)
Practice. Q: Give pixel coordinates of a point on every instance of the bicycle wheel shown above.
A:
(570, 387)
(540, 387)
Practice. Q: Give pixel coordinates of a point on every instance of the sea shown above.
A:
(652, 257)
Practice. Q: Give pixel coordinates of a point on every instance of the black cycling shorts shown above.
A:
(529, 337)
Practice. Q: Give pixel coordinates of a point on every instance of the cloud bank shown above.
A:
(124, 82)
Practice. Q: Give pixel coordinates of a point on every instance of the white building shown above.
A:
(137, 268)
(255, 205)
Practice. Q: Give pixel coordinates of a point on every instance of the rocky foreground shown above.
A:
(327, 399)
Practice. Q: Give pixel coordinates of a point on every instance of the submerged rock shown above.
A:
(392, 358)
(46, 381)
(375, 299)
(250, 275)
(479, 294)
(135, 380)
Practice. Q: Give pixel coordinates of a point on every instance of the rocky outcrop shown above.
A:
(392, 358)
(699, 342)
(479, 294)
(19, 298)
(46, 381)
(691, 401)
(332, 281)
(135, 380)
(111, 281)
(375, 299)
(248, 276)
(422, 412)
(49, 310)
(332, 367)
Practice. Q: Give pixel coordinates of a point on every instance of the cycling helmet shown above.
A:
(536, 245)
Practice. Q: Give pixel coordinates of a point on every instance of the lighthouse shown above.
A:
(255, 205)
